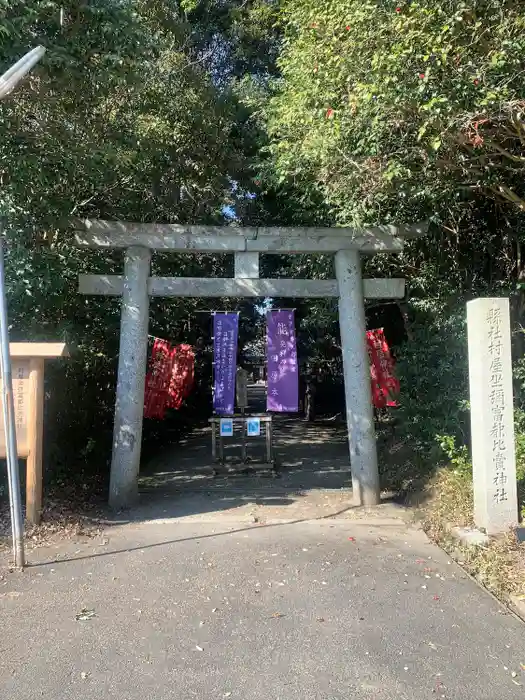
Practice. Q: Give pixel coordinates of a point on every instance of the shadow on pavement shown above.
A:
(313, 479)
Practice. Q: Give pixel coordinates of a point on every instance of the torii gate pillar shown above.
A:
(129, 404)
(359, 412)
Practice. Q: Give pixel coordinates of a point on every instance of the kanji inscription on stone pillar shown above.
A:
(492, 419)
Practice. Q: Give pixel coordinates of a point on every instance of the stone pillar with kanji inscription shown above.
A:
(492, 415)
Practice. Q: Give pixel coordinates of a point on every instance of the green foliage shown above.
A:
(120, 120)
(340, 112)
(458, 456)
(434, 409)
(434, 376)
(390, 113)
(117, 121)
(394, 113)
(519, 423)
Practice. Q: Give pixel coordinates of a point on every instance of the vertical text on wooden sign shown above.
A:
(20, 372)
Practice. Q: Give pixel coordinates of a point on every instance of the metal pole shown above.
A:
(8, 81)
(244, 458)
(8, 405)
(269, 427)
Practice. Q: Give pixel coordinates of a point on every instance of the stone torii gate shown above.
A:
(136, 286)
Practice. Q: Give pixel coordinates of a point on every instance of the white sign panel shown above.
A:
(226, 427)
(253, 427)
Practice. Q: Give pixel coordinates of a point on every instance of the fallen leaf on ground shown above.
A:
(277, 614)
(198, 648)
(352, 539)
(85, 614)
(436, 597)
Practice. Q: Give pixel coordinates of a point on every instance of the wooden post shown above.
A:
(35, 434)
(28, 390)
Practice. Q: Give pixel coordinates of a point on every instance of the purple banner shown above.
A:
(283, 375)
(225, 331)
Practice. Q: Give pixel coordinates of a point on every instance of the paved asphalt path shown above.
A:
(327, 610)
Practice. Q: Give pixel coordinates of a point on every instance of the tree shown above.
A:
(122, 120)
(401, 113)
(395, 112)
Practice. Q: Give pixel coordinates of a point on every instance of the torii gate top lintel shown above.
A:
(96, 233)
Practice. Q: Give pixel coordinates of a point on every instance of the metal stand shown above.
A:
(245, 460)
(269, 442)
(243, 439)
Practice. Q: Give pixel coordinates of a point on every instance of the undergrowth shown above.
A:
(435, 422)
(500, 565)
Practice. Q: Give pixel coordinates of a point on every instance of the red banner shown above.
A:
(158, 380)
(385, 386)
(169, 379)
(182, 375)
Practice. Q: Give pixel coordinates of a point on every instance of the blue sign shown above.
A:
(253, 427)
(226, 427)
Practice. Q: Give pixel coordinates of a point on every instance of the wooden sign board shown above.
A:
(27, 367)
